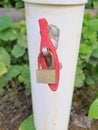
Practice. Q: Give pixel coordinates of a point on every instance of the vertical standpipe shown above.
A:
(51, 109)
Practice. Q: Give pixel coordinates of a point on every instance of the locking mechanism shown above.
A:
(48, 62)
(47, 75)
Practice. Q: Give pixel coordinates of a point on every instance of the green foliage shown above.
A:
(3, 82)
(4, 56)
(92, 4)
(3, 69)
(25, 78)
(80, 77)
(11, 3)
(18, 51)
(13, 71)
(5, 22)
(13, 54)
(27, 124)
(93, 111)
(87, 70)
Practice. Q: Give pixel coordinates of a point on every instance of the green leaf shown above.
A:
(93, 111)
(22, 41)
(90, 29)
(93, 37)
(27, 124)
(8, 34)
(90, 82)
(87, 18)
(3, 81)
(13, 72)
(19, 4)
(4, 57)
(5, 23)
(3, 69)
(85, 51)
(20, 78)
(22, 23)
(80, 77)
(95, 4)
(93, 62)
(89, 4)
(95, 53)
(86, 31)
(90, 33)
(95, 73)
(94, 45)
(18, 51)
(7, 5)
(25, 76)
(93, 24)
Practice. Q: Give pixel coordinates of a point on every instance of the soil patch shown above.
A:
(15, 106)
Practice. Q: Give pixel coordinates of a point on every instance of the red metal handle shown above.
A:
(46, 42)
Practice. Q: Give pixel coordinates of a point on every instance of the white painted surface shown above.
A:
(52, 109)
(57, 1)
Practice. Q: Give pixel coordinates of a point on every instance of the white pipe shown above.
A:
(52, 109)
(60, 2)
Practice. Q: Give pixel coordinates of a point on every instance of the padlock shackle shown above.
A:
(41, 55)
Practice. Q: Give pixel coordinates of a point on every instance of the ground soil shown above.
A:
(15, 106)
(82, 99)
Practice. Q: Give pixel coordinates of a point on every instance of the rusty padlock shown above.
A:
(48, 75)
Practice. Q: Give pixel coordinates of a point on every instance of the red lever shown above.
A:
(46, 42)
